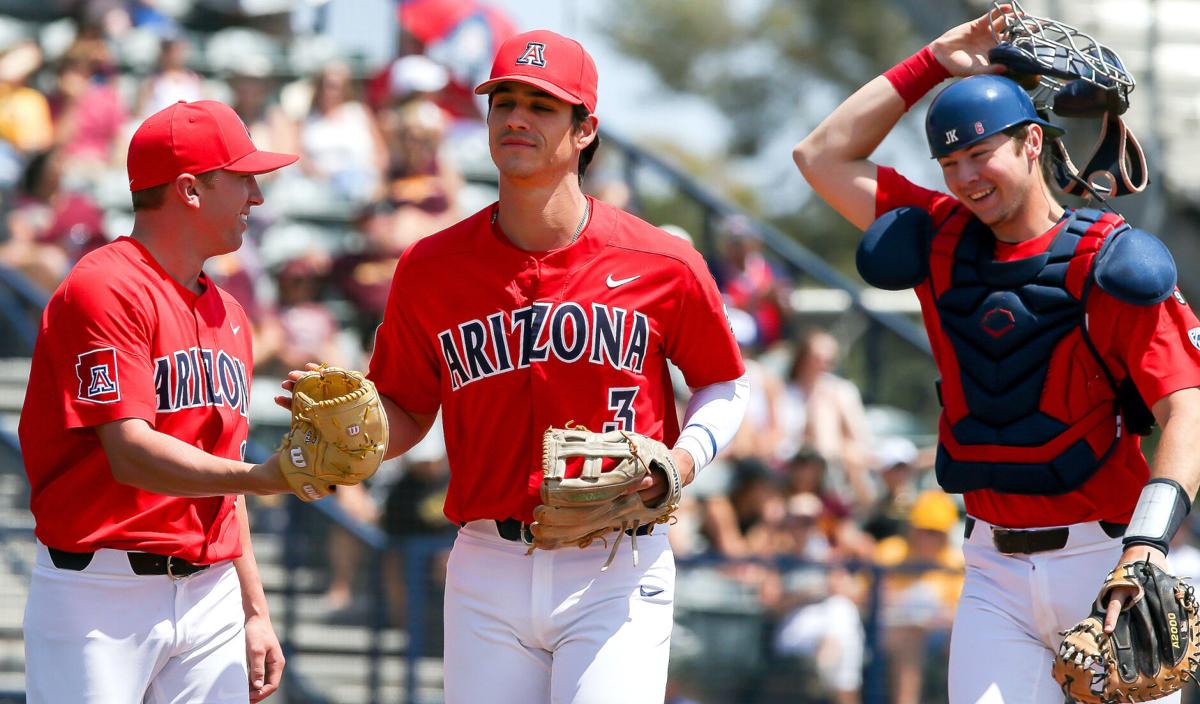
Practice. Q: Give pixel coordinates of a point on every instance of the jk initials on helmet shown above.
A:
(535, 55)
(951, 136)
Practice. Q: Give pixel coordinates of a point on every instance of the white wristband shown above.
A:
(1160, 511)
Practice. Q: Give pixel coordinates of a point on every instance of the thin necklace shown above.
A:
(587, 209)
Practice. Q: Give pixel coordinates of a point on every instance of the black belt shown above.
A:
(142, 563)
(1028, 542)
(518, 532)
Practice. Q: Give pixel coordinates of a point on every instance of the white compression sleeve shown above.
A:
(713, 416)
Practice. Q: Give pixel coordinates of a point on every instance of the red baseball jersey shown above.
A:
(1158, 346)
(121, 339)
(509, 343)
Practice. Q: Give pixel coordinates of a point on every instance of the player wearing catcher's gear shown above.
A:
(1053, 330)
(133, 433)
(544, 308)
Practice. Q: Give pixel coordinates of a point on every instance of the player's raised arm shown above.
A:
(834, 157)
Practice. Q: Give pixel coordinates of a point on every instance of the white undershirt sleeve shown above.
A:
(713, 417)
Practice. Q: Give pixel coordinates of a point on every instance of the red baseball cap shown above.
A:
(554, 63)
(195, 138)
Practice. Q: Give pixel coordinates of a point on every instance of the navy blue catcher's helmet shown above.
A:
(976, 108)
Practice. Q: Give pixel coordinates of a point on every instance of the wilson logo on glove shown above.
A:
(339, 432)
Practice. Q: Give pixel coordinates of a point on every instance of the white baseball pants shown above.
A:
(551, 628)
(107, 636)
(1013, 608)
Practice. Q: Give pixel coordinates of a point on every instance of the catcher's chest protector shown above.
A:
(1002, 327)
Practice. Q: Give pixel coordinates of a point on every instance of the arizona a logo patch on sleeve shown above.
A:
(98, 379)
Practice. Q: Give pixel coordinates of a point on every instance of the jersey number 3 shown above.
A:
(620, 402)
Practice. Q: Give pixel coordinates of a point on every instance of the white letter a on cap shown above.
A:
(535, 55)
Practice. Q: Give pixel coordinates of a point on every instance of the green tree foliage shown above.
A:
(757, 60)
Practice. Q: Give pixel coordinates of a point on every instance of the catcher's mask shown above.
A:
(976, 108)
(1069, 72)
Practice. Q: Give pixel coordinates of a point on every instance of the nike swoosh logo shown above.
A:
(649, 592)
(236, 328)
(613, 283)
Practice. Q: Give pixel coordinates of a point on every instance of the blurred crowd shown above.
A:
(806, 500)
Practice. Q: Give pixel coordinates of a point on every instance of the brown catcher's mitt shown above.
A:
(339, 432)
(1153, 650)
(578, 511)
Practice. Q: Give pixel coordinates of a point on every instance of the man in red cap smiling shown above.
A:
(543, 308)
(133, 433)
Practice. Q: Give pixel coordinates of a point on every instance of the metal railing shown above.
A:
(418, 552)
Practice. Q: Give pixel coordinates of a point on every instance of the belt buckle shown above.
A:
(1001, 533)
(171, 568)
(526, 531)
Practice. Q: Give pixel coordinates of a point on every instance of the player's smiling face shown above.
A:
(993, 177)
(224, 208)
(530, 132)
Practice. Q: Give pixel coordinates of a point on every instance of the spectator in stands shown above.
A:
(761, 430)
(414, 78)
(252, 101)
(804, 476)
(421, 184)
(24, 112)
(743, 524)
(339, 140)
(364, 276)
(50, 227)
(306, 329)
(894, 460)
(918, 604)
(746, 278)
(825, 411)
(817, 606)
(171, 81)
(87, 109)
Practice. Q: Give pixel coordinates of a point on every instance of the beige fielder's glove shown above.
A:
(1153, 650)
(339, 432)
(577, 511)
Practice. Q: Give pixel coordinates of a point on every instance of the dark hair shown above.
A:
(35, 169)
(803, 348)
(153, 198)
(580, 114)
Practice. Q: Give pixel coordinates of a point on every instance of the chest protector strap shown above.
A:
(1004, 326)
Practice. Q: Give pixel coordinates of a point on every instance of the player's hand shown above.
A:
(264, 658)
(963, 50)
(290, 382)
(654, 485)
(1120, 596)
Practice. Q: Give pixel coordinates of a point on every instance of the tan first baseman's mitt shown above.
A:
(1153, 650)
(339, 432)
(579, 510)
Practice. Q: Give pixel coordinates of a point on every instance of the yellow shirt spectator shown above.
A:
(25, 118)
